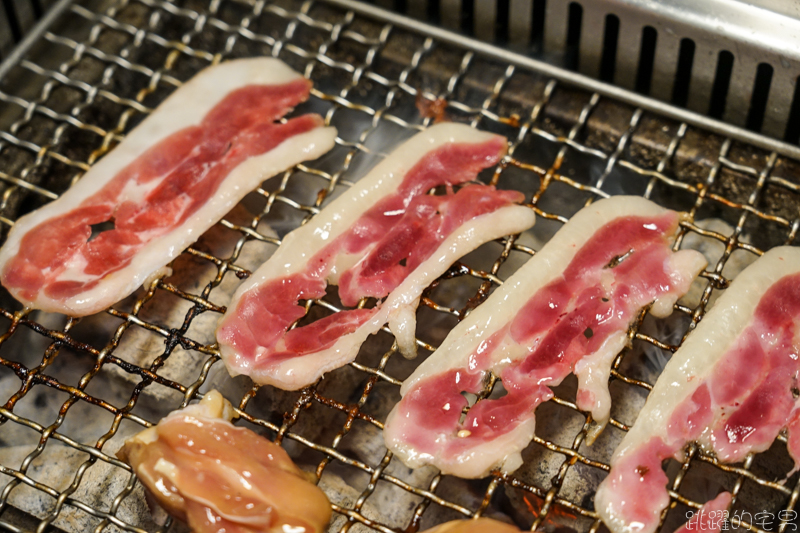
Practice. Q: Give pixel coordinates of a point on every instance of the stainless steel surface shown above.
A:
(72, 389)
(32, 36)
(755, 35)
(17, 18)
(577, 79)
(762, 34)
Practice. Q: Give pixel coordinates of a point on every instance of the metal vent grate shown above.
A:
(733, 60)
(73, 389)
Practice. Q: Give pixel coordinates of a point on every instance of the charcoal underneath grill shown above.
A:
(72, 390)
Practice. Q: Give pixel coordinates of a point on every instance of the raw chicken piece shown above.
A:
(172, 177)
(383, 238)
(732, 387)
(567, 309)
(217, 477)
(481, 525)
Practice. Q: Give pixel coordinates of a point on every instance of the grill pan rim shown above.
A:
(417, 28)
(575, 79)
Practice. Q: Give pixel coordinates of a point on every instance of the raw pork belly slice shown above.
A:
(567, 309)
(172, 177)
(732, 387)
(481, 525)
(383, 238)
(218, 477)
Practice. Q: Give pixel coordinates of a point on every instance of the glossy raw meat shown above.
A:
(566, 310)
(732, 386)
(711, 518)
(481, 525)
(175, 175)
(219, 478)
(383, 238)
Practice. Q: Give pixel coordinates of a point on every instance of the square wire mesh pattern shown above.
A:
(73, 389)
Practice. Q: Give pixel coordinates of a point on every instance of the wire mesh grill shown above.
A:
(73, 389)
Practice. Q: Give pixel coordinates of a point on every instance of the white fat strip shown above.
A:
(593, 374)
(683, 264)
(540, 270)
(301, 371)
(299, 246)
(185, 107)
(504, 452)
(692, 364)
(137, 191)
(74, 269)
(403, 325)
(503, 306)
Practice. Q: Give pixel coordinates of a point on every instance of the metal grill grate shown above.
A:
(72, 389)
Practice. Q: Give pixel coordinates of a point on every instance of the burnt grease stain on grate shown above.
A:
(138, 361)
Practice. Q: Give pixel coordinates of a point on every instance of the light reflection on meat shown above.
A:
(384, 238)
(567, 310)
(217, 477)
(732, 387)
(481, 525)
(175, 175)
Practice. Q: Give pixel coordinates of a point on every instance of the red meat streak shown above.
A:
(565, 320)
(711, 518)
(189, 165)
(741, 407)
(394, 237)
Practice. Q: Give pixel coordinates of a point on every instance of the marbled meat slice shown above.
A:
(218, 477)
(175, 175)
(732, 387)
(566, 310)
(384, 238)
(480, 525)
